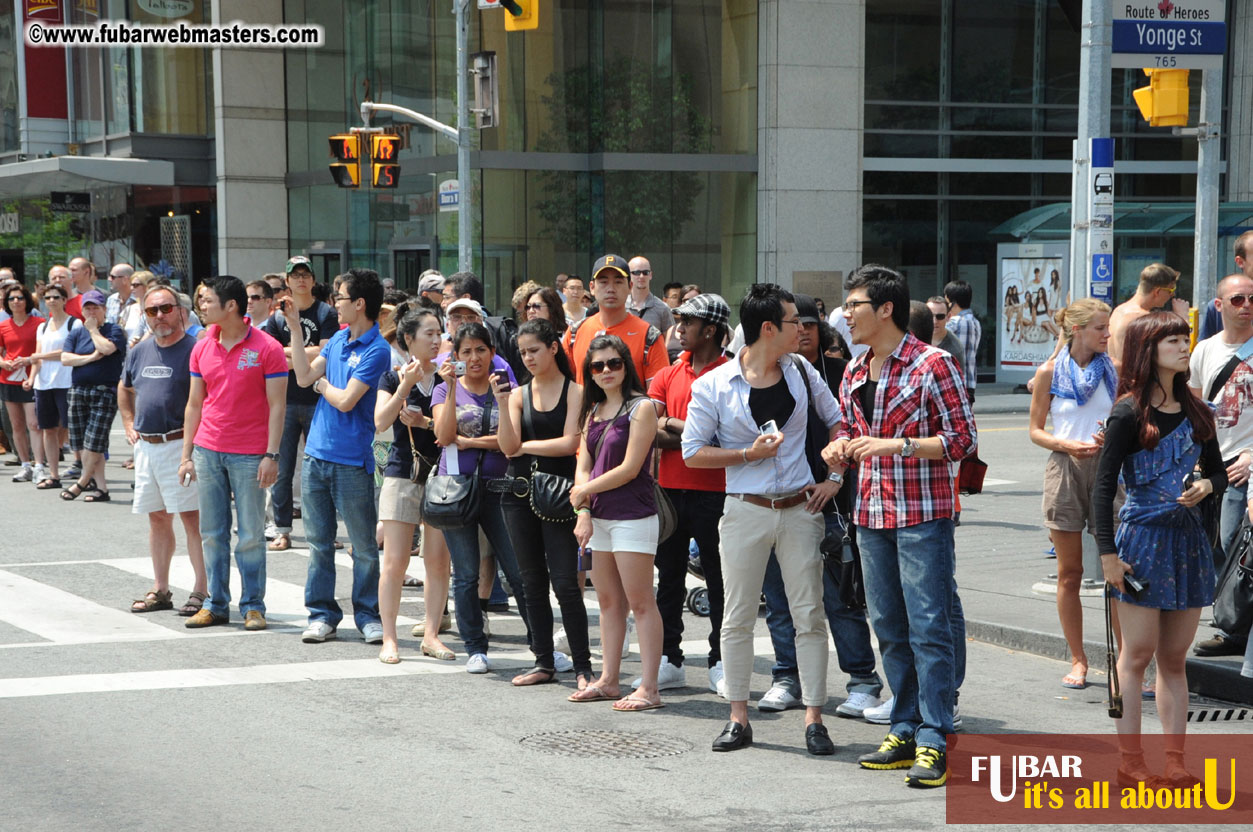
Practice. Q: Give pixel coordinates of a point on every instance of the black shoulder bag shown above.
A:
(451, 501)
(549, 494)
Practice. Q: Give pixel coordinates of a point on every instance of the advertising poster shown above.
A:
(1031, 291)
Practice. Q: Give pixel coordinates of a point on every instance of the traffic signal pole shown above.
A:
(460, 134)
(1209, 148)
(1094, 102)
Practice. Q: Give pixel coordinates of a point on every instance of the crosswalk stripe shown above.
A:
(65, 618)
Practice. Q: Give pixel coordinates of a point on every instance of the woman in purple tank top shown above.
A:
(617, 516)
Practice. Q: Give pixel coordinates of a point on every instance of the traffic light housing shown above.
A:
(521, 15)
(384, 155)
(346, 169)
(1164, 102)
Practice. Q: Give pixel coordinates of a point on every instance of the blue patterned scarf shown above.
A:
(1070, 381)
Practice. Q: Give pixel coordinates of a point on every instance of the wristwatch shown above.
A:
(835, 476)
(271, 456)
(908, 448)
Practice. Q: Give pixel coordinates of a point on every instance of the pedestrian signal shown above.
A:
(384, 161)
(346, 169)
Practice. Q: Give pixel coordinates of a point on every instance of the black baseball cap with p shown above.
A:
(299, 262)
(612, 262)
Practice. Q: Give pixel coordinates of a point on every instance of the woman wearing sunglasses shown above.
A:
(617, 516)
(539, 431)
(404, 403)
(52, 383)
(545, 304)
(467, 416)
(1075, 390)
(17, 345)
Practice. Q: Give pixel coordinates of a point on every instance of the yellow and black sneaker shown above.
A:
(930, 769)
(893, 753)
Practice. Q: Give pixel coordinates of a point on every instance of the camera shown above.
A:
(459, 368)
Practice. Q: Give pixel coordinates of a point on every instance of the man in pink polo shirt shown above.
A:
(232, 429)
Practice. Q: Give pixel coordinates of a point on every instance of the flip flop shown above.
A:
(412, 582)
(591, 693)
(543, 676)
(1075, 681)
(632, 703)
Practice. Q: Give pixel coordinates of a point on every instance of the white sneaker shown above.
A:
(41, 472)
(317, 632)
(562, 662)
(668, 677)
(778, 698)
(717, 680)
(881, 714)
(372, 633)
(856, 705)
(24, 475)
(561, 641)
(478, 663)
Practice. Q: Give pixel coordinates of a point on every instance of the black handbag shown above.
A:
(667, 517)
(1233, 599)
(842, 559)
(451, 501)
(548, 494)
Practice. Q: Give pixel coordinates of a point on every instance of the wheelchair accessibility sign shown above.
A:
(1102, 276)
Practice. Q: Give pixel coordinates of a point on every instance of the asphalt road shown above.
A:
(111, 720)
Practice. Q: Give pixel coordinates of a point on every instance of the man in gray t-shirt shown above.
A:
(152, 396)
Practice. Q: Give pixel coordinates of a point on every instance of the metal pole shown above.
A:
(465, 250)
(1094, 91)
(1205, 260)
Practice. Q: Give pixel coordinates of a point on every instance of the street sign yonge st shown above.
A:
(1170, 34)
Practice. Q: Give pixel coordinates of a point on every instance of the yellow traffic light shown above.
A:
(346, 169)
(384, 153)
(521, 15)
(1164, 102)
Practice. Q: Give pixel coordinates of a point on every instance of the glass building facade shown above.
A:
(628, 127)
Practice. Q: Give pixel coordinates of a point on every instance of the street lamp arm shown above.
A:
(369, 106)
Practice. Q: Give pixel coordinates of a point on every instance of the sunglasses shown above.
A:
(257, 297)
(534, 307)
(50, 296)
(161, 309)
(598, 367)
(940, 316)
(1239, 300)
(641, 271)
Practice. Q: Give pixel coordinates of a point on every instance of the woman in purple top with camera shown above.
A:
(617, 516)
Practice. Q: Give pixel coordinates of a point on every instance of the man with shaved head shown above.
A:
(642, 303)
(1222, 373)
(83, 276)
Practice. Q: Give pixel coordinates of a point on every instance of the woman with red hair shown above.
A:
(1158, 567)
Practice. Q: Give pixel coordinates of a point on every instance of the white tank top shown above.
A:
(1072, 421)
(53, 374)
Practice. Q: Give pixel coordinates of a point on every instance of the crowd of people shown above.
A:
(605, 435)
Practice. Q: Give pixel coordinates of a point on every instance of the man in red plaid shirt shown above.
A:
(907, 419)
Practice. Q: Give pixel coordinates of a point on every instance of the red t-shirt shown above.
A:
(649, 360)
(18, 342)
(74, 307)
(673, 388)
(236, 413)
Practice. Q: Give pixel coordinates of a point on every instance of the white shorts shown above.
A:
(157, 487)
(626, 535)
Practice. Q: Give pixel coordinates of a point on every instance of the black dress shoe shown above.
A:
(818, 741)
(734, 736)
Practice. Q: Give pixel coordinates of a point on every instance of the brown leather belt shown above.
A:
(777, 503)
(158, 438)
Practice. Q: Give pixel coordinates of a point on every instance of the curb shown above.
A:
(1216, 679)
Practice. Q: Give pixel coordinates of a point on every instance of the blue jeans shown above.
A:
(463, 546)
(296, 423)
(220, 475)
(909, 589)
(849, 631)
(324, 488)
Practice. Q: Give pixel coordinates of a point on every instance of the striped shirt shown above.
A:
(919, 394)
(966, 327)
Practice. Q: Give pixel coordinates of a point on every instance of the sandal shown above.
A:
(280, 543)
(195, 602)
(412, 582)
(154, 601)
(1075, 681)
(129, 464)
(535, 676)
(73, 492)
(390, 657)
(98, 496)
(591, 693)
(49, 484)
(635, 702)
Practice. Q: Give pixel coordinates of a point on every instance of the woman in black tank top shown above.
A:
(545, 439)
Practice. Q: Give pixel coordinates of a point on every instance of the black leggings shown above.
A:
(548, 552)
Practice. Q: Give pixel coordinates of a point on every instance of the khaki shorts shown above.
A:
(1068, 484)
(400, 500)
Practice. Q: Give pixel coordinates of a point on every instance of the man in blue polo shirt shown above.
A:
(338, 472)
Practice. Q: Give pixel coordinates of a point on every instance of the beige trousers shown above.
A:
(748, 533)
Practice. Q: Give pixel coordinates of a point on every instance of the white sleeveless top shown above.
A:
(53, 375)
(1070, 421)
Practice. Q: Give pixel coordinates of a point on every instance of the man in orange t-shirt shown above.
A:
(611, 286)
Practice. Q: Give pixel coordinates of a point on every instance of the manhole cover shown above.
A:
(605, 744)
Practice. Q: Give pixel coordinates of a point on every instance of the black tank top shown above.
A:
(545, 424)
